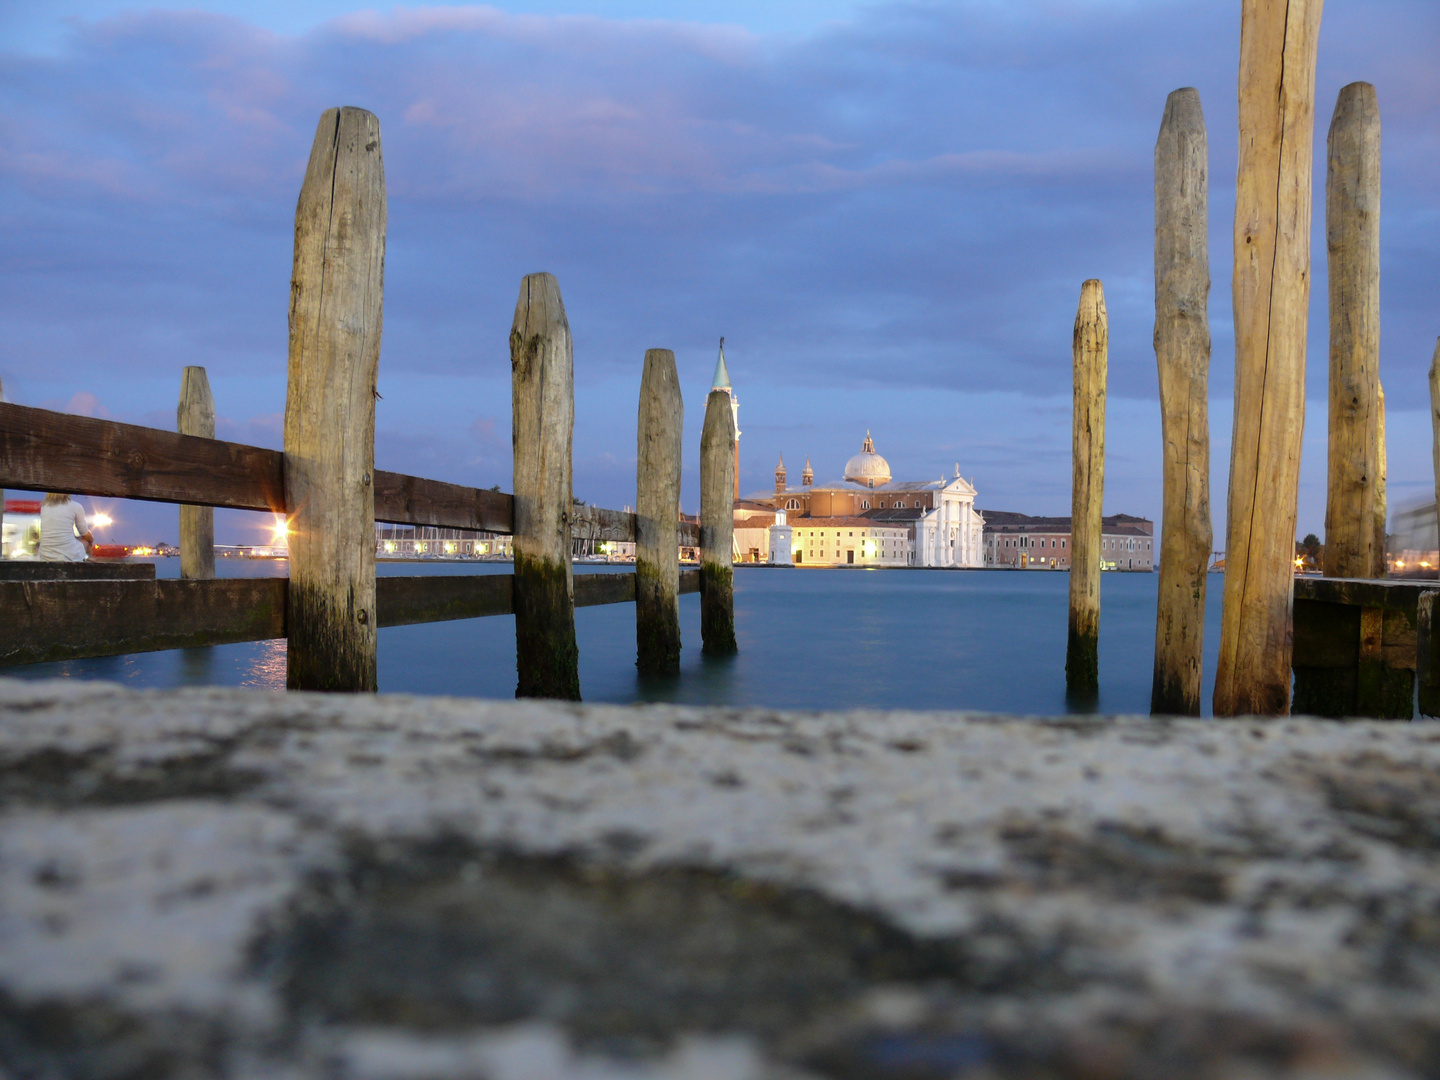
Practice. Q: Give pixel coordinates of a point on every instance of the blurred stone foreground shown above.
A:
(224, 883)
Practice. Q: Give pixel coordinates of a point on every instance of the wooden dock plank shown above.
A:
(69, 620)
(72, 620)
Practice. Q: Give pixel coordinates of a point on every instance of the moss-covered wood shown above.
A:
(659, 440)
(547, 657)
(1091, 363)
(717, 527)
(71, 620)
(336, 297)
(542, 395)
(1182, 355)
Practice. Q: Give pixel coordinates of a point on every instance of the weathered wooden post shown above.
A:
(542, 395)
(717, 527)
(1427, 653)
(336, 299)
(1352, 240)
(1382, 563)
(657, 515)
(1182, 352)
(1091, 359)
(1271, 288)
(1435, 420)
(195, 415)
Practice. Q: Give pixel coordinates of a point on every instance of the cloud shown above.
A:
(907, 201)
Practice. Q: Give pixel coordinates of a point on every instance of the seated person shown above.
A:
(64, 536)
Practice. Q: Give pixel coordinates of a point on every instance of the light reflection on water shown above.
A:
(816, 639)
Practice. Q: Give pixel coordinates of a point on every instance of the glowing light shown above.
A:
(1400, 566)
(280, 531)
(101, 521)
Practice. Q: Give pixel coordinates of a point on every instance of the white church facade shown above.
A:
(867, 518)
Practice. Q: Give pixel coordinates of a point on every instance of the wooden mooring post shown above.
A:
(336, 298)
(1271, 287)
(717, 527)
(542, 387)
(659, 435)
(1435, 419)
(195, 415)
(1090, 349)
(1182, 354)
(1352, 235)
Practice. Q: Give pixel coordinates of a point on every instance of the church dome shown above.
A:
(867, 467)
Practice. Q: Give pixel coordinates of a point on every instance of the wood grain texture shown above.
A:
(1182, 355)
(1427, 652)
(659, 442)
(1435, 419)
(717, 527)
(411, 500)
(336, 312)
(195, 415)
(66, 620)
(1352, 244)
(542, 382)
(42, 450)
(1090, 351)
(1271, 297)
(1381, 565)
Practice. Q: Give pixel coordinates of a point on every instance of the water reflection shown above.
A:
(267, 667)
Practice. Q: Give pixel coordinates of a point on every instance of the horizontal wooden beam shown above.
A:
(92, 570)
(402, 601)
(1386, 593)
(70, 620)
(42, 450)
(409, 500)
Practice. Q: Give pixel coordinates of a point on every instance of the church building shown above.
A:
(868, 518)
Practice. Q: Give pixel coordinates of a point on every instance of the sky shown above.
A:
(887, 209)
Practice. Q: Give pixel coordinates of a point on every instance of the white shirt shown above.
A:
(60, 527)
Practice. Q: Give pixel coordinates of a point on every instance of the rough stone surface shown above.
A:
(223, 883)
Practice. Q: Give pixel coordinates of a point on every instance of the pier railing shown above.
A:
(49, 620)
(81, 455)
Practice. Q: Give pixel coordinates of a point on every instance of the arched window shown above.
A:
(793, 504)
(865, 504)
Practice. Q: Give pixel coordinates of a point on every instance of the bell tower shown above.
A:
(722, 382)
(807, 476)
(780, 476)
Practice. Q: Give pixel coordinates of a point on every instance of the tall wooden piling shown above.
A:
(1435, 420)
(1381, 565)
(1091, 360)
(717, 527)
(542, 393)
(195, 415)
(336, 300)
(1271, 289)
(659, 439)
(1182, 354)
(1352, 242)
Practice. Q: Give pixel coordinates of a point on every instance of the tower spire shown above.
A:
(722, 373)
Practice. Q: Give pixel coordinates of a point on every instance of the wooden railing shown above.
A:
(43, 620)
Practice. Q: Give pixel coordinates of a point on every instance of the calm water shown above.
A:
(816, 639)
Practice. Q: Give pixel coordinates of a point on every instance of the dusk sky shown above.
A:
(887, 210)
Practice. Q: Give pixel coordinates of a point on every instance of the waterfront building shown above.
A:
(869, 518)
(426, 541)
(1024, 542)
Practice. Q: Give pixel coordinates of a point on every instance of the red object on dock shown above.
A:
(109, 551)
(22, 506)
